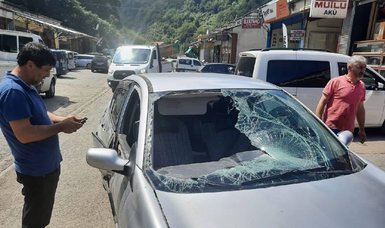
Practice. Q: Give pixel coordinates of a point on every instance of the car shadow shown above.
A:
(57, 102)
(66, 77)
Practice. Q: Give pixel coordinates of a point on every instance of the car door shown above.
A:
(120, 186)
(196, 65)
(375, 98)
(105, 134)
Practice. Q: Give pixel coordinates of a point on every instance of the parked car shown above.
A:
(222, 68)
(215, 150)
(12, 41)
(83, 60)
(304, 73)
(61, 61)
(100, 63)
(48, 85)
(187, 64)
(71, 59)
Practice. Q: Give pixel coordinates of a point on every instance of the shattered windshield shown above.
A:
(237, 139)
(132, 56)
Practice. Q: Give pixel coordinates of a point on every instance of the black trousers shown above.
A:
(39, 196)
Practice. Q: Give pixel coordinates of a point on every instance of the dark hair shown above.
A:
(38, 53)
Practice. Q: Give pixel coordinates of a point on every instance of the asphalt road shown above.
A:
(81, 200)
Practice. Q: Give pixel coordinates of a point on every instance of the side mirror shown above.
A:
(106, 159)
(346, 137)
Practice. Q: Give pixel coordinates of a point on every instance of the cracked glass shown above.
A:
(221, 140)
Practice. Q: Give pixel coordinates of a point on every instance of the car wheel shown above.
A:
(51, 92)
(92, 70)
(88, 66)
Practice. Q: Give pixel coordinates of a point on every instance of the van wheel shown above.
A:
(51, 92)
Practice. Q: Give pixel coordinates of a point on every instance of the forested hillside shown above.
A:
(140, 21)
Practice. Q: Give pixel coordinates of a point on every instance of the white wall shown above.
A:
(250, 39)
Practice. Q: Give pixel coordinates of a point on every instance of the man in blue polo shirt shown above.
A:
(32, 132)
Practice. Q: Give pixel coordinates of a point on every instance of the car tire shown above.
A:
(51, 92)
(92, 70)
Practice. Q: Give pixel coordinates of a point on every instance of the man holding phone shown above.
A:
(32, 132)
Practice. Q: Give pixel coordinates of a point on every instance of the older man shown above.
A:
(342, 99)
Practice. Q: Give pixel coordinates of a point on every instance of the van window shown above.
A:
(24, 40)
(342, 68)
(8, 43)
(370, 79)
(298, 73)
(196, 63)
(70, 55)
(185, 61)
(245, 66)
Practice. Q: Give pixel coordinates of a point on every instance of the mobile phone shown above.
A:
(82, 121)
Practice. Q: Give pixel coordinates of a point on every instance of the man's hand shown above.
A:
(362, 135)
(70, 125)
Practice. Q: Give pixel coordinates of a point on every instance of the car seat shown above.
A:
(171, 143)
(221, 137)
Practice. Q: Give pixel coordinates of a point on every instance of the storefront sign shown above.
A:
(329, 8)
(269, 12)
(296, 35)
(275, 11)
(251, 23)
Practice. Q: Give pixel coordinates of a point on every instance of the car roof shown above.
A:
(287, 52)
(136, 46)
(227, 64)
(161, 82)
(184, 57)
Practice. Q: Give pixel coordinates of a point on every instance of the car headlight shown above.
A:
(142, 71)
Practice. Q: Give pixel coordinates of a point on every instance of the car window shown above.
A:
(197, 63)
(184, 61)
(342, 68)
(131, 117)
(245, 66)
(117, 103)
(298, 73)
(8, 43)
(237, 139)
(24, 40)
(370, 79)
(132, 56)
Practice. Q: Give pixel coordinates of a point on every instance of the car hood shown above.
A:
(355, 200)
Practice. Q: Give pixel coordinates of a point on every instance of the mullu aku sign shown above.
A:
(329, 8)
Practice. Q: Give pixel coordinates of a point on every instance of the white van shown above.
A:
(133, 59)
(187, 64)
(304, 73)
(71, 59)
(12, 41)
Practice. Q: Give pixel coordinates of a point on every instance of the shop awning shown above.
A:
(58, 27)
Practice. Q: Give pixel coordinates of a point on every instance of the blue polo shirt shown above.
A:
(19, 101)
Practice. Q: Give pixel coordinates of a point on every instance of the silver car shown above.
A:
(211, 150)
